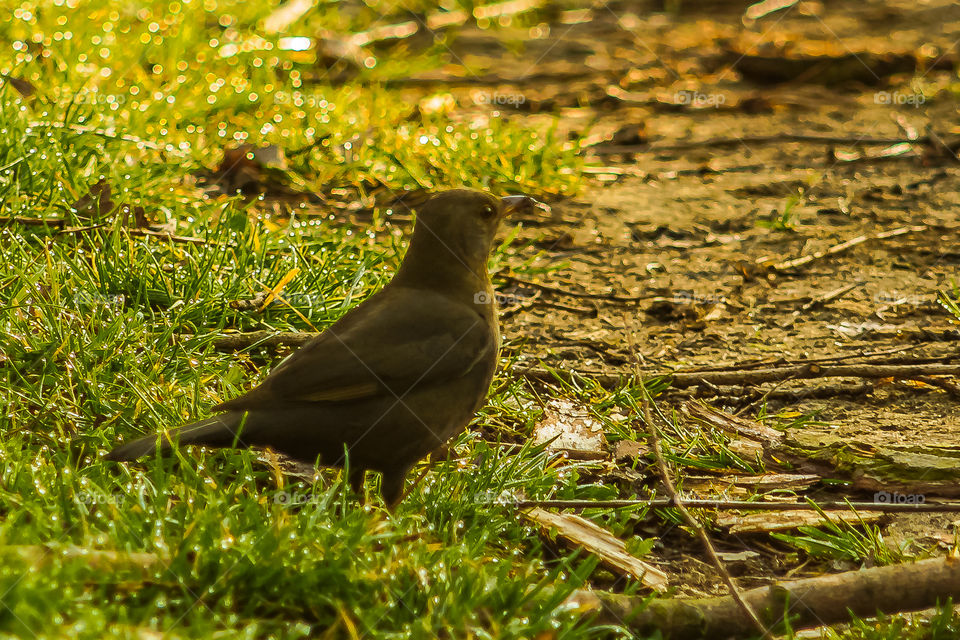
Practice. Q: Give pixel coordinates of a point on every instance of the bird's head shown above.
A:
(455, 230)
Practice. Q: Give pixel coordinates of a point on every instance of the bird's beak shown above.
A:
(515, 204)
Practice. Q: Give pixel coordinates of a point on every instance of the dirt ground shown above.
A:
(679, 218)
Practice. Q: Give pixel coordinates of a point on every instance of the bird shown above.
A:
(395, 377)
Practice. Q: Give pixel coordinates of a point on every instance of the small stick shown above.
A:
(61, 222)
(734, 394)
(682, 380)
(777, 374)
(43, 222)
(736, 141)
(653, 434)
(820, 301)
(564, 307)
(810, 602)
(269, 339)
(844, 246)
(829, 297)
(742, 505)
(110, 135)
(762, 399)
(169, 236)
(949, 387)
(573, 294)
(91, 227)
(757, 364)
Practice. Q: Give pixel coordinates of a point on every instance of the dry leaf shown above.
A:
(630, 450)
(24, 88)
(580, 532)
(767, 521)
(568, 426)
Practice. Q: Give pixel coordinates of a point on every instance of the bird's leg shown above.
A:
(440, 453)
(356, 480)
(391, 487)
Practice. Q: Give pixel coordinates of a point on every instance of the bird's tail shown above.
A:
(218, 431)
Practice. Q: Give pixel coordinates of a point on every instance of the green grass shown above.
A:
(944, 624)
(106, 334)
(839, 540)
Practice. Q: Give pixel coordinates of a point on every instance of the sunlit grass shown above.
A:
(195, 77)
(105, 334)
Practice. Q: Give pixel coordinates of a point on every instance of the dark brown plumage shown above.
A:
(395, 377)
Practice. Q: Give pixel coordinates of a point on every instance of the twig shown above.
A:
(565, 307)
(653, 434)
(949, 387)
(777, 374)
(763, 398)
(733, 394)
(706, 170)
(740, 505)
(268, 339)
(820, 301)
(101, 560)
(881, 157)
(169, 236)
(830, 296)
(111, 135)
(91, 227)
(736, 141)
(811, 602)
(43, 222)
(61, 222)
(573, 294)
(682, 380)
(757, 364)
(844, 246)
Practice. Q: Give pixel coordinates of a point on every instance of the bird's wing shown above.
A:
(395, 340)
